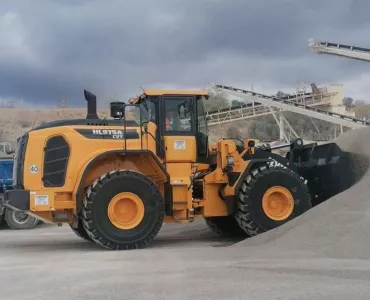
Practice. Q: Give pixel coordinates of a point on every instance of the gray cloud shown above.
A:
(53, 49)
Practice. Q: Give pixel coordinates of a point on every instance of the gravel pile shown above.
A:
(337, 228)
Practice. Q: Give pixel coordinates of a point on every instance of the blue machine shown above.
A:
(14, 219)
(6, 174)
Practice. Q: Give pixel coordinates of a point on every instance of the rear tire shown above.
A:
(130, 221)
(19, 220)
(254, 215)
(225, 226)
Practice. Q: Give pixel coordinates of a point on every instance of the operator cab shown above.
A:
(176, 113)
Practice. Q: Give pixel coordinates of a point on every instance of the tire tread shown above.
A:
(89, 225)
(243, 216)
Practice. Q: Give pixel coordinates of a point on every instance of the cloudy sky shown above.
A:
(50, 49)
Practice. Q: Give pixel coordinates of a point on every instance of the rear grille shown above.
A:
(18, 167)
(56, 155)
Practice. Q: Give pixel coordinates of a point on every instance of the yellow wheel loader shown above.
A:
(116, 181)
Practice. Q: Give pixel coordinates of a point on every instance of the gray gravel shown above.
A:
(324, 254)
(336, 228)
(183, 263)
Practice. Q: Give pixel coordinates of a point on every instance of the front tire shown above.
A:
(225, 226)
(123, 210)
(270, 196)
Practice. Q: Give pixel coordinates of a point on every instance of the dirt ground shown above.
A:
(184, 262)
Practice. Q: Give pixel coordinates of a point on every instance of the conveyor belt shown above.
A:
(288, 105)
(348, 51)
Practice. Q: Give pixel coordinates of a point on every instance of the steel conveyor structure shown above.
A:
(255, 109)
(353, 52)
(276, 104)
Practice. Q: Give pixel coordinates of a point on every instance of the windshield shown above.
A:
(132, 115)
(147, 110)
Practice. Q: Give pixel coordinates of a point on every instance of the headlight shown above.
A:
(230, 161)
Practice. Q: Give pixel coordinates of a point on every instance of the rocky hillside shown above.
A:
(14, 122)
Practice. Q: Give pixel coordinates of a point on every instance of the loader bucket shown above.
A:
(328, 169)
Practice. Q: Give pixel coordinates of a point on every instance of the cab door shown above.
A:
(179, 129)
(179, 142)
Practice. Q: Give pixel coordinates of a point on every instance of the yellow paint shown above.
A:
(213, 204)
(149, 138)
(175, 92)
(126, 211)
(278, 203)
(180, 148)
(180, 180)
(82, 152)
(152, 92)
(84, 168)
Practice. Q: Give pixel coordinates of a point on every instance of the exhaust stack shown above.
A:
(91, 105)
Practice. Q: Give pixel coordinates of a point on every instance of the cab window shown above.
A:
(148, 110)
(178, 115)
(202, 130)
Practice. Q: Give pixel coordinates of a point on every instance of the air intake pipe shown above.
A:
(91, 105)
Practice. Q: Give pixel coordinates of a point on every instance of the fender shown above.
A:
(167, 184)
